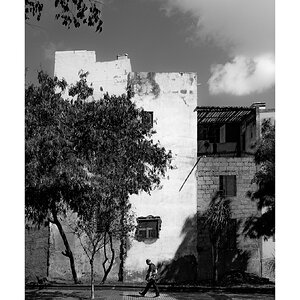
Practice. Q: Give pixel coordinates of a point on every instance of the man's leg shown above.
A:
(146, 288)
(155, 288)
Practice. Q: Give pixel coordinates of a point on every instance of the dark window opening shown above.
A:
(232, 133)
(209, 132)
(147, 118)
(243, 142)
(148, 228)
(228, 185)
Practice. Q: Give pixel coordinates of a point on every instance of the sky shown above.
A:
(229, 43)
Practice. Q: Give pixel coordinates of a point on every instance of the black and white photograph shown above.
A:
(148, 150)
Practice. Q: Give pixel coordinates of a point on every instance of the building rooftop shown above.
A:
(222, 115)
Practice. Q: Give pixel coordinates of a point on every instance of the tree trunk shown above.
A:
(215, 257)
(213, 251)
(106, 271)
(122, 257)
(122, 251)
(217, 263)
(68, 252)
(92, 279)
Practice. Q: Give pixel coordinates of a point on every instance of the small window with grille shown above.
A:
(147, 117)
(148, 228)
(228, 185)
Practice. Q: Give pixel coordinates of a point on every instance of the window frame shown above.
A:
(148, 230)
(147, 116)
(223, 185)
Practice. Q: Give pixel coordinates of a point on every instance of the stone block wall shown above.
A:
(247, 255)
(36, 252)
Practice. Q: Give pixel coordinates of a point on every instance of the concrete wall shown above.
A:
(267, 114)
(172, 97)
(247, 255)
(111, 76)
(36, 252)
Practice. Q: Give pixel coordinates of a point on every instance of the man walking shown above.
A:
(150, 277)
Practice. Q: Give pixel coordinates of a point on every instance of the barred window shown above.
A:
(228, 185)
(147, 117)
(148, 227)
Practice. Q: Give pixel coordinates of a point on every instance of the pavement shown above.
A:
(132, 294)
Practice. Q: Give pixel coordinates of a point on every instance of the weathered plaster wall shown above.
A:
(36, 252)
(172, 97)
(267, 114)
(208, 171)
(111, 76)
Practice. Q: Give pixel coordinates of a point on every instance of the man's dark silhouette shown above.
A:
(150, 277)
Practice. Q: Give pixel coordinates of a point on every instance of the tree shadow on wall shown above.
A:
(183, 267)
(193, 259)
(231, 258)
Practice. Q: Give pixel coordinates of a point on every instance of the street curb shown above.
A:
(165, 288)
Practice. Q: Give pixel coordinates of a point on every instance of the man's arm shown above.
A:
(148, 273)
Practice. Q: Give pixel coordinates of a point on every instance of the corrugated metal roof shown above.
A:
(219, 114)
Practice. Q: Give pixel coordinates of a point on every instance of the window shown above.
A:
(148, 227)
(209, 132)
(223, 134)
(147, 117)
(228, 185)
(232, 133)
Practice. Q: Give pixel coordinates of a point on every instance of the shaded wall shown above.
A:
(247, 255)
(36, 252)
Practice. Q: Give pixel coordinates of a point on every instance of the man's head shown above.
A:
(148, 261)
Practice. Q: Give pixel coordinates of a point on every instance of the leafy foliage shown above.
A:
(76, 149)
(217, 219)
(217, 216)
(54, 176)
(86, 155)
(264, 195)
(69, 12)
(270, 265)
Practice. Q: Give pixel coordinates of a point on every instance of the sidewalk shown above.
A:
(116, 294)
(244, 289)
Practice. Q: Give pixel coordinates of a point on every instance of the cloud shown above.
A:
(245, 29)
(243, 75)
(239, 26)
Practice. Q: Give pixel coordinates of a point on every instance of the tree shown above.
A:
(217, 219)
(117, 221)
(54, 178)
(97, 228)
(76, 149)
(264, 224)
(90, 238)
(70, 12)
